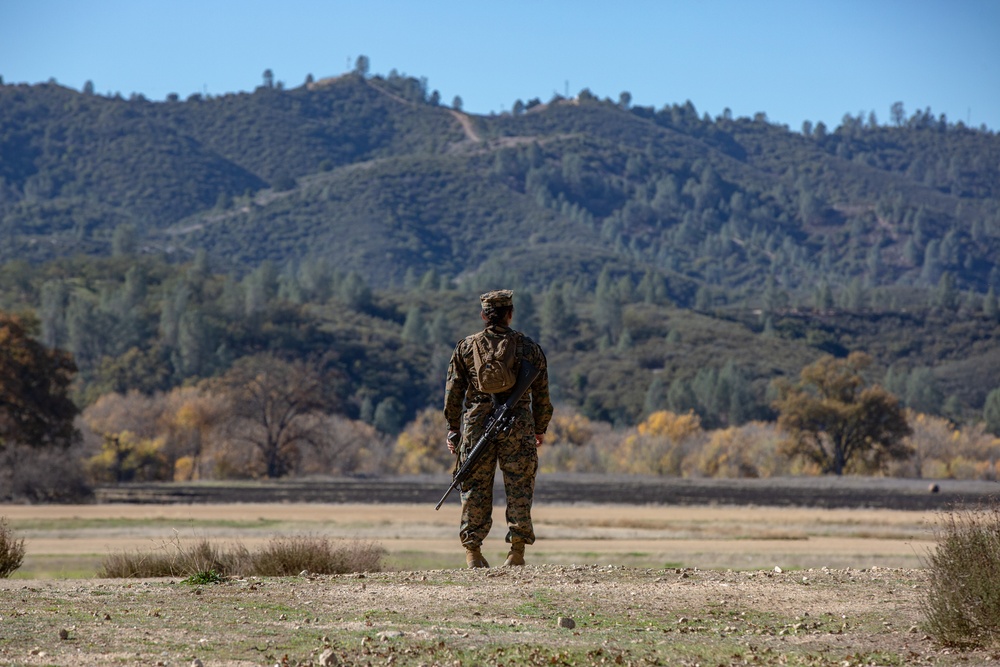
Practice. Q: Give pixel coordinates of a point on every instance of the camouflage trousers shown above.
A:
(518, 460)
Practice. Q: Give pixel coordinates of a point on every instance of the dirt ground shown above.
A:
(640, 584)
(535, 615)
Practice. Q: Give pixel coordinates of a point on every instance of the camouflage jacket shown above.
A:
(461, 395)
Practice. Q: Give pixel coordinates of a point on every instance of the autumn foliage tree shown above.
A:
(35, 408)
(664, 440)
(421, 445)
(36, 419)
(832, 418)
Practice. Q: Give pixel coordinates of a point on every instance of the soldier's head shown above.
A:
(498, 306)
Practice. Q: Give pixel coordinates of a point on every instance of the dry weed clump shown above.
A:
(11, 550)
(963, 598)
(318, 555)
(279, 557)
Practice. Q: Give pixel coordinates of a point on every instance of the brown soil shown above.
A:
(497, 616)
(651, 583)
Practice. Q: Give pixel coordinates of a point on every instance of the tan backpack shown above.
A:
(494, 358)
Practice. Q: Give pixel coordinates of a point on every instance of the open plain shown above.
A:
(607, 583)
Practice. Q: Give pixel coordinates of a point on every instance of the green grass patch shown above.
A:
(204, 578)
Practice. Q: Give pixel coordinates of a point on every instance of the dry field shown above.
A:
(644, 584)
(70, 540)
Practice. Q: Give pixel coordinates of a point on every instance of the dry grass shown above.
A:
(279, 557)
(963, 596)
(11, 550)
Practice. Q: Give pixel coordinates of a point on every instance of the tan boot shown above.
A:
(515, 558)
(474, 558)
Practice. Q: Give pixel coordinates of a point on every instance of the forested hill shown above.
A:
(665, 259)
(376, 176)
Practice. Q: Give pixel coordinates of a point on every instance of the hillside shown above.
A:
(656, 252)
(365, 170)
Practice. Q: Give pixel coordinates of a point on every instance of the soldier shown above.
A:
(481, 371)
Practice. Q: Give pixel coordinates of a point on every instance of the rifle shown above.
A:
(500, 421)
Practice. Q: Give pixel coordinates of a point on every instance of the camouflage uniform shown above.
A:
(515, 452)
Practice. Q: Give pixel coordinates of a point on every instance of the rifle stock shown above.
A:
(500, 421)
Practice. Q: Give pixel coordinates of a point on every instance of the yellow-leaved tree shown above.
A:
(739, 451)
(191, 419)
(663, 442)
(422, 447)
(573, 443)
(126, 457)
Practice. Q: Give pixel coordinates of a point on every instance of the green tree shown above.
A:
(833, 419)
(362, 65)
(991, 412)
(414, 329)
(608, 307)
(123, 241)
(923, 393)
(990, 306)
(389, 416)
(556, 317)
(898, 114)
(54, 298)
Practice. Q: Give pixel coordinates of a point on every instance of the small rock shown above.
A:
(389, 634)
(196, 663)
(566, 622)
(777, 570)
(328, 658)
(64, 634)
(304, 573)
(933, 488)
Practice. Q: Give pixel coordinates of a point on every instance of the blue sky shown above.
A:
(793, 60)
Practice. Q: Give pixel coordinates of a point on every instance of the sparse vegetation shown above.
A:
(963, 595)
(11, 550)
(282, 556)
(621, 616)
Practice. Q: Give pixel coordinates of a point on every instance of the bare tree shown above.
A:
(276, 408)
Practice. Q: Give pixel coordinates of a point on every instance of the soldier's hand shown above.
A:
(539, 439)
(453, 441)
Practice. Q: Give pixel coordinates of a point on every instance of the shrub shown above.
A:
(11, 550)
(171, 559)
(963, 596)
(750, 450)
(318, 555)
(280, 557)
